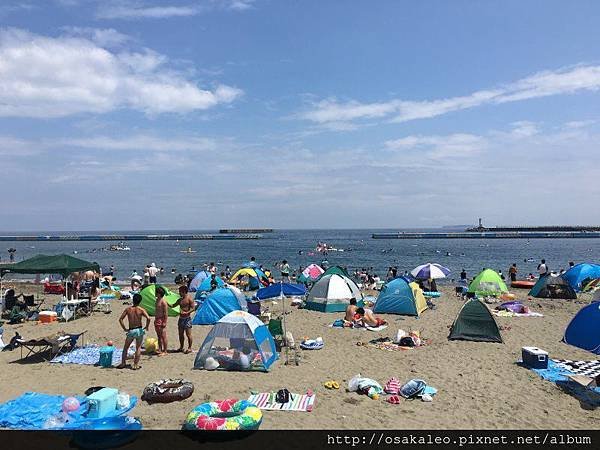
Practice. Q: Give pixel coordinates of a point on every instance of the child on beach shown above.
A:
(135, 332)
(187, 305)
(160, 320)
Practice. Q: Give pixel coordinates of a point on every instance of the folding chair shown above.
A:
(55, 345)
(276, 329)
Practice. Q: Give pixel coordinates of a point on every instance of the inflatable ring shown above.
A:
(507, 296)
(224, 415)
(166, 391)
(432, 294)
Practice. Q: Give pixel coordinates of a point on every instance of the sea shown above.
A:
(356, 250)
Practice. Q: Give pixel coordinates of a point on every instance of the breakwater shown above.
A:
(131, 237)
(490, 235)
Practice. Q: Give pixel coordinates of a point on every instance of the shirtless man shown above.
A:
(187, 305)
(350, 311)
(135, 332)
(161, 313)
(368, 319)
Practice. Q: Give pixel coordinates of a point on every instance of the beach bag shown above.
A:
(282, 396)
(407, 341)
(412, 389)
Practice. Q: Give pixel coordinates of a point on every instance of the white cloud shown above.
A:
(524, 128)
(130, 11)
(56, 77)
(104, 37)
(440, 147)
(143, 142)
(564, 81)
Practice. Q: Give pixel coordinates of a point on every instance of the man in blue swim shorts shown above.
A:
(135, 332)
(187, 305)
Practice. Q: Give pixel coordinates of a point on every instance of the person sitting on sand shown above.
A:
(366, 317)
(135, 332)
(350, 310)
(160, 320)
(187, 305)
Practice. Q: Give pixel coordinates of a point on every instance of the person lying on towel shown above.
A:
(366, 318)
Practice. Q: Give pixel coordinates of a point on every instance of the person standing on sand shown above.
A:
(160, 320)
(187, 305)
(135, 332)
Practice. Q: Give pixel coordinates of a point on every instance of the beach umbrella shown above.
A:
(430, 271)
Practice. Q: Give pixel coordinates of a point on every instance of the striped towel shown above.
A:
(298, 402)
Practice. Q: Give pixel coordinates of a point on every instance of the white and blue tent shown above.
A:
(238, 341)
(219, 303)
(199, 278)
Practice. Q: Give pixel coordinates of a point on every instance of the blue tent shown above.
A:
(205, 286)
(400, 297)
(274, 290)
(199, 278)
(584, 329)
(577, 275)
(219, 303)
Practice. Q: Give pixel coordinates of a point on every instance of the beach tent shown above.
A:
(149, 299)
(255, 276)
(474, 322)
(311, 273)
(204, 287)
(198, 278)
(551, 286)
(336, 270)
(584, 329)
(276, 289)
(219, 303)
(400, 297)
(581, 274)
(238, 341)
(488, 282)
(332, 293)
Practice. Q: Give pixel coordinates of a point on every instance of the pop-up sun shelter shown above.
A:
(198, 279)
(256, 277)
(204, 287)
(489, 283)
(218, 304)
(332, 293)
(238, 341)
(400, 297)
(584, 329)
(581, 274)
(149, 300)
(549, 286)
(474, 322)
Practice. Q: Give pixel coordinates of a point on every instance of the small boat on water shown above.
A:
(188, 250)
(120, 247)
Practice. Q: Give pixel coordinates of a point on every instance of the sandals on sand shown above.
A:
(332, 384)
(394, 399)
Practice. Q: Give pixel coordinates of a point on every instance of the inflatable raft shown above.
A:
(522, 284)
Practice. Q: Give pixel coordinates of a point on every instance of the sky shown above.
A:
(206, 114)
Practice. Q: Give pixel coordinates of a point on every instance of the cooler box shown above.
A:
(535, 358)
(102, 403)
(106, 356)
(47, 316)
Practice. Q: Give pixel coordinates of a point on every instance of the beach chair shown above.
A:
(55, 344)
(276, 329)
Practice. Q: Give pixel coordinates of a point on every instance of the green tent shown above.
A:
(54, 264)
(488, 282)
(149, 299)
(475, 323)
(335, 270)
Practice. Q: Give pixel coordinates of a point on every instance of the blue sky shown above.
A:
(139, 114)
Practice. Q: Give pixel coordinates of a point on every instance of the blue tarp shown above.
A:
(274, 290)
(32, 409)
(558, 375)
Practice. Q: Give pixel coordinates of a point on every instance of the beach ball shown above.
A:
(151, 345)
(71, 404)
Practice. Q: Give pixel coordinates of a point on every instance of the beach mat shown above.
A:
(298, 402)
(514, 314)
(588, 368)
(559, 376)
(89, 356)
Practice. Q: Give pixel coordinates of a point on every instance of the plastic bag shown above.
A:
(353, 383)
(399, 335)
(122, 400)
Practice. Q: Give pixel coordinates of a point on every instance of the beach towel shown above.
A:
(340, 323)
(387, 344)
(312, 344)
(514, 314)
(588, 368)
(559, 376)
(298, 402)
(89, 356)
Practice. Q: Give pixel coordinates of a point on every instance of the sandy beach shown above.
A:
(479, 384)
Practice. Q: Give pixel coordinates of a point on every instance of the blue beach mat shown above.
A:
(32, 409)
(558, 375)
(89, 356)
